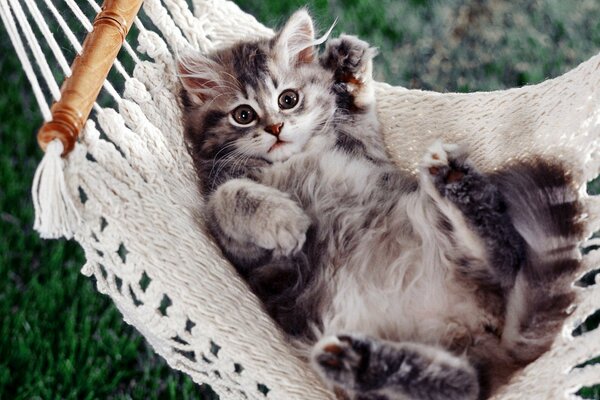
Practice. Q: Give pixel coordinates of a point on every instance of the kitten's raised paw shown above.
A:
(338, 358)
(349, 58)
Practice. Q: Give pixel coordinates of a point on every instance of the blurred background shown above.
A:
(59, 338)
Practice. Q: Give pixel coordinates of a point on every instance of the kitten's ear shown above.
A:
(199, 75)
(296, 41)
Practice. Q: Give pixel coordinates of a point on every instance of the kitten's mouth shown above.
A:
(277, 145)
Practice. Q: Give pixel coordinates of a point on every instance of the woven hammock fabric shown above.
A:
(136, 206)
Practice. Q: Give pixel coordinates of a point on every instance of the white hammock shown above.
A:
(136, 220)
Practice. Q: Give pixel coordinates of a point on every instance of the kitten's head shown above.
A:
(263, 99)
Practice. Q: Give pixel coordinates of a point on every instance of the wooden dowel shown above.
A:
(88, 72)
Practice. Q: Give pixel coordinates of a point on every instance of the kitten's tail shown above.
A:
(544, 207)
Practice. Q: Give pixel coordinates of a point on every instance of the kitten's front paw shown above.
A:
(249, 213)
(349, 58)
(282, 228)
(338, 358)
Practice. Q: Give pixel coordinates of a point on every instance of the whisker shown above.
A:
(234, 78)
(221, 166)
(227, 146)
(214, 98)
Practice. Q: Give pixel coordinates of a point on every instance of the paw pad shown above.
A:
(333, 348)
(348, 56)
(336, 355)
(434, 170)
(441, 159)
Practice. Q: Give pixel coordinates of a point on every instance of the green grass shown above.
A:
(59, 338)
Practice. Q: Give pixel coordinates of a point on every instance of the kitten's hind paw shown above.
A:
(338, 358)
(378, 369)
(444, 163)
(349, 58)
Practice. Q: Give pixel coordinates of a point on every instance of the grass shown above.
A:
(59, 338)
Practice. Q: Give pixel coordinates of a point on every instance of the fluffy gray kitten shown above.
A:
(436, 286)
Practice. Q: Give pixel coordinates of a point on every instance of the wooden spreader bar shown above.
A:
(88, 72)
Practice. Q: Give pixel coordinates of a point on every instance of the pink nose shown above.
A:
(274, 129)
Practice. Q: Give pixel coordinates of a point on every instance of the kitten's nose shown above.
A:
(274, 129)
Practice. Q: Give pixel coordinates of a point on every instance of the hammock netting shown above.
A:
(133, 204)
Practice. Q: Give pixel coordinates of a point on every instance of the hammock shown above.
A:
(127, 193)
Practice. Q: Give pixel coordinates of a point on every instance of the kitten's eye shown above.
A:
(243, 114)
(288, 99)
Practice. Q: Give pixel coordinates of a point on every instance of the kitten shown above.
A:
(438, 286)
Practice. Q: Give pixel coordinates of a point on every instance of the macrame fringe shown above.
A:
(55, 214)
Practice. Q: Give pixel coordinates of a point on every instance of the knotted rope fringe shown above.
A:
(55, 214)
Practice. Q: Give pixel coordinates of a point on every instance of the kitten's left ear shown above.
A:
(296, 41)
(200, 77)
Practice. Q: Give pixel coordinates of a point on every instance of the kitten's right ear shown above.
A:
(296, 40)
(199, 76)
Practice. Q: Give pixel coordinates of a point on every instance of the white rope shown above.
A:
(591, 243)
(87, 24)
(38, 54)
(185, 20)
(161, 19)
(41, 23)
(72, 39)
(15, 38)
(95, 6)
(138, 23)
